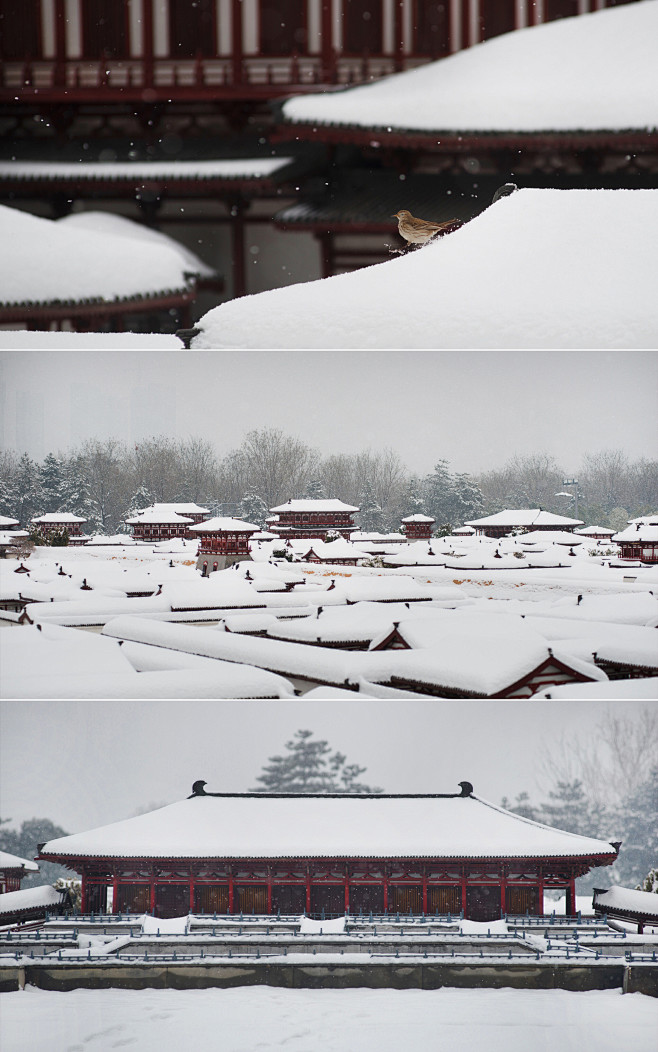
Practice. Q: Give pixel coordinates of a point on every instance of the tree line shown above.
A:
(106, 482)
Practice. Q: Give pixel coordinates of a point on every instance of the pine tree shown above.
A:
(412, 500)
(309, 766)
(314, 490)
(521, 806)
(637, 827)
(24, 842)
(370, 515)
(52, 476)
(27, 495)
(253, 509)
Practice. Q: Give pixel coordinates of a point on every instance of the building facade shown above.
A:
(222, 542)
(327, 855)
(300, 519)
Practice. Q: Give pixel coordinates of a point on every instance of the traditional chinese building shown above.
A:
(639, 542)
(13, 869)
(327, 855)
(313, 518)
(57, 522)
(506, 522)
(222, 542)
(159, 523)
(418, 527)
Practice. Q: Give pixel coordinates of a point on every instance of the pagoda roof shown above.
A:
(58, 516)
(225, 524)
(524, 517)
(256, 825)
(639, 533)
(159, 515)
(314, 505)
(9, 861)
(419, 518)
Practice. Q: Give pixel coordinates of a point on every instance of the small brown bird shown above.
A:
(418, 231)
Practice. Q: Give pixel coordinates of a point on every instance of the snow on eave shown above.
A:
(9, 861)
(235, 168)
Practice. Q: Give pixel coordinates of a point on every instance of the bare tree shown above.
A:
(612, 762)
(277, 466)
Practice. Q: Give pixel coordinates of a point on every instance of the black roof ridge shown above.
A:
(340, 796)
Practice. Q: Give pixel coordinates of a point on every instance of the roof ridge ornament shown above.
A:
(198, 789)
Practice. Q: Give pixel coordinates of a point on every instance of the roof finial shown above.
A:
(467, 788)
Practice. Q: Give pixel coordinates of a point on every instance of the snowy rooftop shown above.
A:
(59, 516)
(240, 168)
(102, 223)
(548, 238)
(8, 861)
(627, 899)
(314, 505)
(263, 826)
(224, 524)
(524, 517)
(29, 899)
(640, 533)
(158, 515)
(594, 72)
(419, 518)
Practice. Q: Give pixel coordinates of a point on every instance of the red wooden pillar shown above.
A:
(503, 889)
(115, 884)
(269, 889)
(147, 46)
(463, 889)
(397, 34)
(386, 891)
(347, 891)
(230, 892)
(152, 892)
(236, 40)
(424, 889)
(540, 890)
(192, 883)
(308, 889)
(83, 902)
(60, 43)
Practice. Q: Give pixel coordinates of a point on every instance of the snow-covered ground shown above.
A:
(262, 1018)
(540, 268)
(21, 339)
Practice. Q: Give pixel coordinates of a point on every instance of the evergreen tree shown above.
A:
(24, 842)
(370, 515)
(521, 806)
(314, 490)
(253, 509)
(27, 495)
(570, 809)
(52, 477)
(78, 498)
(309, 766)
(451, 499)
(650, 882)
(140, 501)
(637, 827)
(412, 499)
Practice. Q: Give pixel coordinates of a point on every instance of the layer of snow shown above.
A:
(9, 861)
(21, 339)
(223, 680)
(239, 168)
(548, 239)
(627, 899)
(262, 826)
(224, 524)
(102, 223)
(161, 926)
(308, 926)
(43, 261)
(30, 898)
(616, 689)
(158, 516)
(592, 72)
(524, 517)
(269, 1019)
(312, 505)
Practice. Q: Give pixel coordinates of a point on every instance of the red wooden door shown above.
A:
(405, 898)
(133, 898)
(366, 898)
(283, 27)
(211, 898)
(172, 900)
(192, 28)
(289, 899)
(522, 900)
(444, 900)
(482, 903)
(362, 27)
(250, 898)
(20, 36)
(104, 29)
(330, 898)
(554, 9)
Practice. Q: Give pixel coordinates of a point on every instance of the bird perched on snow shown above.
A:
(418, 231)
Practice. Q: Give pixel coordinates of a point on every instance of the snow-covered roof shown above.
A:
(158, 516)
(419, 518)
(338, 549)
(549, 238)
(524, 517)
(267, 826)
(5, 522)
(9, 861)
(592, 531)
(101, 223)
(626, 900)
(29, 899)
(59, 516)
(616, 689)
(189, 508)
(314, 505)
(641, 534)
(235, 168)
(224, 524)
(590, 73)
(549, 537)
(45, 261)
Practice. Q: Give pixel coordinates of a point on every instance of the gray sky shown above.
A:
(87, 763)
(473, 408)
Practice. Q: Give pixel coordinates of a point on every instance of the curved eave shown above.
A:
(52, 309)
(467, 140)
(126, 186)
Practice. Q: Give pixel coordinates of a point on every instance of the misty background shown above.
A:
(474, 409)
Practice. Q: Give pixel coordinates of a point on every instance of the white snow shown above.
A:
(308, 926)
(9, 861)
(224, 524)
(312, 505)
(42, 260)
(161, 926)
(540, 268)
(524, 517)
(21, 339)
(616, 689)
(619, 898)
(29, 898)
(261, 826)
(265, 1018)
(592, 72)
(238, 168)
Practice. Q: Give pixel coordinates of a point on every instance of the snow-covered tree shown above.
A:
(370, 515)
(24, 842)
(52, 478)
(309, 766)
(650, 882)
(253, 509)
(450, 499)
(314, 490)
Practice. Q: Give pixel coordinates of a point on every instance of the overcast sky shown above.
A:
(85, 763)
(473, 408)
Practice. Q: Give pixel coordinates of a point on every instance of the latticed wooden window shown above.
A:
(133, 898)
(444, 900)
(405, 899)
(362, 27)
(522, 900)
(250, 899)
(211, 898)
